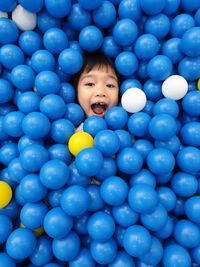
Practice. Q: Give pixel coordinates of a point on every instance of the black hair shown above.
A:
(91, 60)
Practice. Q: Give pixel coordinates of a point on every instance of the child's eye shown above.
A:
(110, 85)
(89, 84)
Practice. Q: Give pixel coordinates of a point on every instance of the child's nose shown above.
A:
(101, 92)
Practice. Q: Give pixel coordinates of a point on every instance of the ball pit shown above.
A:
(123, 191)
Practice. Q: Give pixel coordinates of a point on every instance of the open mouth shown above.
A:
(99, 108)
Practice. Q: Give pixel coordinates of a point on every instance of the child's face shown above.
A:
(98, 90)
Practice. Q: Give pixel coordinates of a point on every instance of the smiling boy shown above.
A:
(97, 85)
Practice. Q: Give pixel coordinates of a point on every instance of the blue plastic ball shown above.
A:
(116, 118)
(88, 5)
(32, 190)
(90, 38)
(155, 220)
(167, 106)
(126, 63)
(159, 68)
(70, 60)
(109, 47)
(47, 82)
(74, 113)
(15, 170)
(107, 142)
(195, 253)
(124, 215)
(180, 24)
(146, 47)
(101, 226)
(125, 32)
(36, 125)
(190, 134)
(54, 174)
(67, 248)
(176, 255)
(6, 227)
(22, 77)
(158, 25)
(162, 127)
(189, 68)
(151, 7)
(172, 49)
(6, 91)
(137, 240)
(124, 137)
(28, 102)
(104, 16)
(62, 130)
(167, 230)
(191, 103)
(130, 9)
(191, 207)
(78, 17)
(53, 106)
(76, 178)
(57, 223)
(6, 260)
(67, 92)
(129, 83)
(43, 251)
(89, 161)
(121, 259)
(8, 152)
(42, 60)
(143, 177)
(190, 42)
(184, 184)
(143, 146)
(114, 190)
(138, 124)
(25, 141)
(154, 256)
(30, 42)
(83, 259)
(80, 224)
(108, 169)
(12, 123)
(55, 40)
(152, 89)
(54, 197)
(21, 243)
(58, 8)
(97, 202)
(190, 8)
(32, 214)
(186, 233)
(33, 157)
(160, 161)
(75, 200)
(103, 253)
(46, 21)
(129, 160)
(16, 56)
(142, 198)
(94, 124)
(167, 197)
(61, 152)
(8, 31)
(188, 159)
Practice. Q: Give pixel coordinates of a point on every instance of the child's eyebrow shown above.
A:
(93, 76)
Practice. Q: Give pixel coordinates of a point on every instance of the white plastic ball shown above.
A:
(24, 19)
(175, 87)
(3, 14)
(133, 100)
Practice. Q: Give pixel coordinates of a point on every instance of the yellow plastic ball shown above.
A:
(38, 231)
(79, 141)
(5, 194)
(198, 84)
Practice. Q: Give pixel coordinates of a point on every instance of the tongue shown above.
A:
(98, 109)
